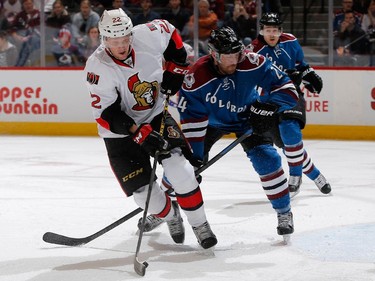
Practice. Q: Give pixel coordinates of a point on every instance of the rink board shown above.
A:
(55, 101)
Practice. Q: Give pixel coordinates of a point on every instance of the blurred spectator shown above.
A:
(117, 4)
(72, 6)
(59, 16)
(349, 41)
(83, 20)
(188, 4)
(90, 42)
(8, 52)
(147, 14)
(347, 5)
(272, 6)
(48, 6)
(251, 8)
(160, 3)
(132, 3)
(368, 20)
(243, 24)
(218, 7)
(4, 23)
(176, 14)
(361, 6)
(207, 21)
(66, 53)
(25, 31)
(11, 8)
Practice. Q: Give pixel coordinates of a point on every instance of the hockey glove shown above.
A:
(150, 140)
(295, 76)
(262, 117)
(312, 81)
(173, 77)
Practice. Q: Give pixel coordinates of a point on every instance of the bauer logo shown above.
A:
(25, 101)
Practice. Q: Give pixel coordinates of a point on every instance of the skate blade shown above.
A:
(210, 252)
(140, 267)
(286, 239)
(293, 194)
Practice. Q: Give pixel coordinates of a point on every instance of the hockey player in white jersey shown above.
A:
(128, 84)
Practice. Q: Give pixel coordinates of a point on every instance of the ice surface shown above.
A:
(65, 185)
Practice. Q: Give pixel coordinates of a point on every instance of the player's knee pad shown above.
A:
(265, 159)
(157, 200)
(180, 173)
(296, 113)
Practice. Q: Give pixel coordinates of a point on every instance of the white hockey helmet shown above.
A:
(115, 23)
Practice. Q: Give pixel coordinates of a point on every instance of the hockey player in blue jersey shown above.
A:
(218, 92)
(284, 51)
(218, 97)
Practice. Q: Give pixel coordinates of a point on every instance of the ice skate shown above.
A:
(206, 238)
(323, 185)
(285, 226)
(151, 223)
(294, 185)
(176, 225)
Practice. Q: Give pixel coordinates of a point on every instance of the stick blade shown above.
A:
(140, 267)
(55, 238)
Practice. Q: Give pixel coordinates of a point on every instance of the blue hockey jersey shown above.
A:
(209, 99)
(287, 54)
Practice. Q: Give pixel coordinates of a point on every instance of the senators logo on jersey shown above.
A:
(144, 93)
(92, 78)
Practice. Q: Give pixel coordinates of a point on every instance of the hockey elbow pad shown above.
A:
(173, 77)
(312, 81)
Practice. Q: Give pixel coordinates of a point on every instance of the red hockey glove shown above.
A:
(150, 140)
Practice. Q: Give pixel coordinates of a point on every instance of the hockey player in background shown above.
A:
(127, 84)
(284, 51)
(219, 97)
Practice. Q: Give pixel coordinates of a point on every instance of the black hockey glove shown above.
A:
(312, 81)
(295, 76)
(173, 77)
(150, 140)
(261, 117)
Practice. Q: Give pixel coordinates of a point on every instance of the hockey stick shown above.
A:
(140, 267)
(59, 239)
(54, 238)
(223, 152)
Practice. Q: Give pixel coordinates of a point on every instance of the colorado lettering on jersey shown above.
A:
(220, 103)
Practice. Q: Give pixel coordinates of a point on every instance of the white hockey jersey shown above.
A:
(136, 81)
